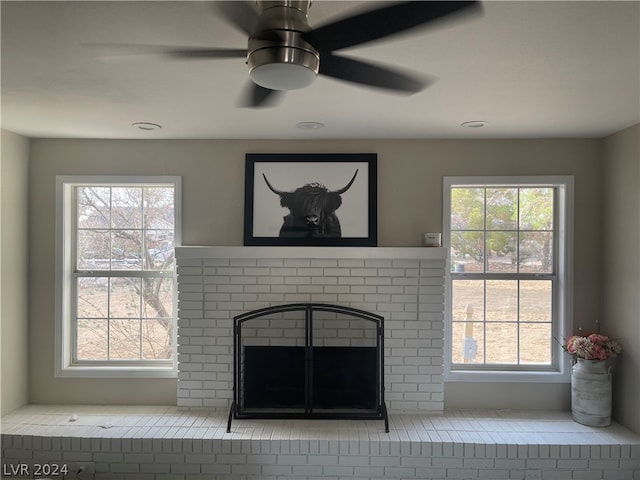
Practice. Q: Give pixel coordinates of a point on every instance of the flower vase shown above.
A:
(591, 392)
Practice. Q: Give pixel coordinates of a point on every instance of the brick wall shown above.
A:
(404, 285)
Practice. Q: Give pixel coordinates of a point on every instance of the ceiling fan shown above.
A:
(285, 53)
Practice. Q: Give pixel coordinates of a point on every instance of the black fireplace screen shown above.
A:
(308, 360)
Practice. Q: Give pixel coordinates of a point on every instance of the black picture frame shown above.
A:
(271, 175)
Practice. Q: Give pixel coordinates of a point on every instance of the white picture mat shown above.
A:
(353, 214)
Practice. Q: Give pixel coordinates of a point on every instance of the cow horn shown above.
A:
(277, 192)
(344, 189)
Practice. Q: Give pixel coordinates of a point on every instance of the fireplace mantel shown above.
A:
(382, 253)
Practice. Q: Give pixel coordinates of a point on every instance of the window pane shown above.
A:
(467, 251)
(535, 343)
(502, 342)
(502, 209)
(468, 342)
(124, 339)
(126, 207)
(467, 208)
(158, 297)
(93, 297)
(536, 208)
(158, 208)
(158, 250)
(468, 315)
(535, 300)
(94, 205)
(92, 339)
(467, 300)
(124, 297)
(93, 249)
(536, 252)
(501, 252)
(502, 300)
(502, 306)
(157, 339)
(126, 250)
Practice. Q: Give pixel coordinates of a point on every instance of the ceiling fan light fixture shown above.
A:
(283, 76)
(283, 68)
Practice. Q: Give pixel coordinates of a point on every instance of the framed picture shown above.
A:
(311, 199)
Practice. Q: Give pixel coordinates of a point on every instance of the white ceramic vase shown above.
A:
(591, 392)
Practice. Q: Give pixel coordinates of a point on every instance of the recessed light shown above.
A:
(474, 124)
(309, 125)
(146, 126)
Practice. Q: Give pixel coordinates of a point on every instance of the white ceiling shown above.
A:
(530, 69)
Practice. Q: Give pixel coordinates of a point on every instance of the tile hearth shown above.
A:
(169, 443)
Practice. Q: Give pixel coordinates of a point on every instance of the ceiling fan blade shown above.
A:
(256, 96)
(382, 22)
(240, 14)
(372, 75)
(129, 49)
(207, 52)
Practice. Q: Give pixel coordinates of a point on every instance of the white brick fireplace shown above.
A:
(404, 285)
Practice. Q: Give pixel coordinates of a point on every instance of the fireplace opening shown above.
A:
(308, 361)
(343, 378)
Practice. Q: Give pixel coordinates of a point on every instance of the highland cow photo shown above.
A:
(310, 199)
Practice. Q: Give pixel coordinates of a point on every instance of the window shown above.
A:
(508, 286)
(116, 275)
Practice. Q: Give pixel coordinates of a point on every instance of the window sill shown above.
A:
(484, 376)
(77, 371)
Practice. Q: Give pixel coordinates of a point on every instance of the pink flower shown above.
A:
(598, 339)
(599, 353)
(593, 347)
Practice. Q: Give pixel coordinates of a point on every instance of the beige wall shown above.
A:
(410, 202)
(622, 268)
(14, 163)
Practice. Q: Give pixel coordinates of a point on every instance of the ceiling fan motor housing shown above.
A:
(279, 58)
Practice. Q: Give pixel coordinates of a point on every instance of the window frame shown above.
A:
(65, 289)
(559, 371)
